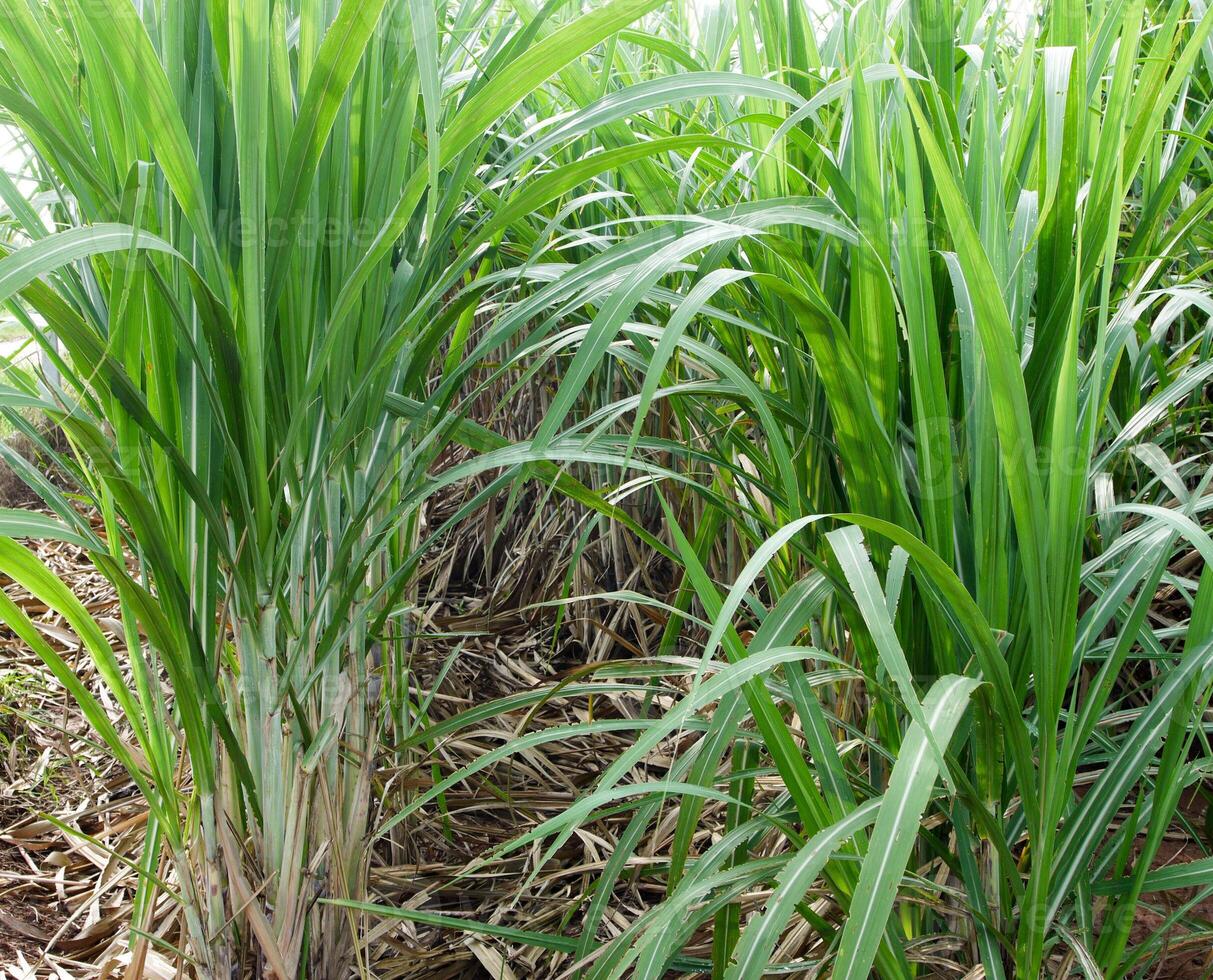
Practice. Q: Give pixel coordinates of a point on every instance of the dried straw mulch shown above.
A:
(71, 824)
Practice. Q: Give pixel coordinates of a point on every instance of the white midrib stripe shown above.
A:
(901, 805)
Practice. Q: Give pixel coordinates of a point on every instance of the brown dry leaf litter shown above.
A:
(65, 896)
(65, 881)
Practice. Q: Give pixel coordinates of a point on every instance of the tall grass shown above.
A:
(888, 330)
(949, 294)
(259, 209)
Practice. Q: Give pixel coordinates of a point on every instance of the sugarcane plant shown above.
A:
(250, 216)
(883, 327)
(913, 340)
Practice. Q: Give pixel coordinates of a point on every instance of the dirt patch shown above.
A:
(22, 453)
(1185, 956)
(27, 923)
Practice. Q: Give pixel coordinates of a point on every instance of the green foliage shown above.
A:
(893, 325)
(238, 277)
